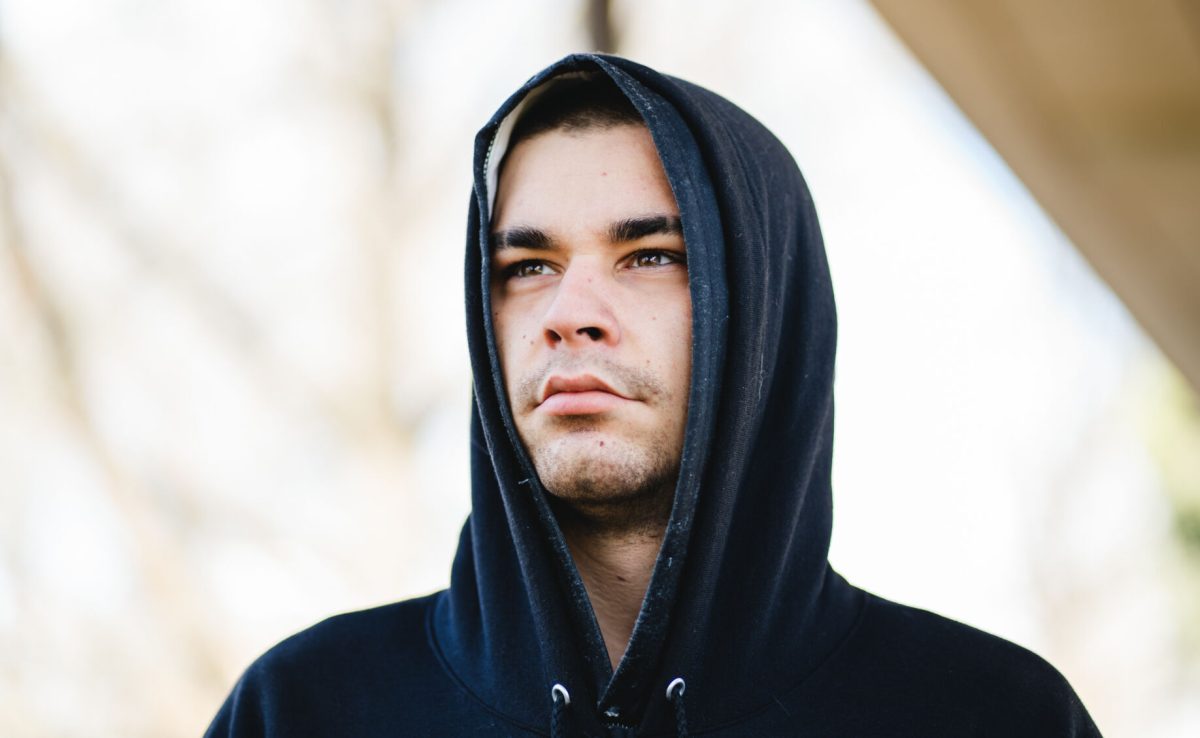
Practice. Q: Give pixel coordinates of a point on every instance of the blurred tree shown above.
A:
(1173, 428)
(600, 26)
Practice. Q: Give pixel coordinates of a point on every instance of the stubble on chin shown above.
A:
(597, 475)
(620, 489)
(622, 492)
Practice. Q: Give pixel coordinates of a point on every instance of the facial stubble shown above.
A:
(608, 482)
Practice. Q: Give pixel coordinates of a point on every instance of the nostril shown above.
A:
(593, 333)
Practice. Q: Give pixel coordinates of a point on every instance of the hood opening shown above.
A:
(741, 601)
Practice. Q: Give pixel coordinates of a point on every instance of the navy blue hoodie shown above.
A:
(742, 606)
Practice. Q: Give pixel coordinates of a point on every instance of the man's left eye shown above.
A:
(654, 259)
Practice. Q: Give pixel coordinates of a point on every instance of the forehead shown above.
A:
(572, 179)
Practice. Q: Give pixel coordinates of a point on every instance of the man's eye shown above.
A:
(527, 269)
(644, 259)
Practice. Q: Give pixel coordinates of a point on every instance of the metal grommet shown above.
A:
(558, 689)
(676, 682)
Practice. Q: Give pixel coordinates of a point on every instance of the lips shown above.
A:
(582, 394)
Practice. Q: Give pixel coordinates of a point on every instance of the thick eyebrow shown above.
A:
(621, 231)
(523, 237)
(632, 229)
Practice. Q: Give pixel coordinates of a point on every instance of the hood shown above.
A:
(742, 603)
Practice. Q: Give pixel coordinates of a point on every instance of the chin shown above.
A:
(599, 466)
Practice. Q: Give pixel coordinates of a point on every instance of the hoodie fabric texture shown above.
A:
(742, 606)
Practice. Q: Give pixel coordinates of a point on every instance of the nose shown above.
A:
(581, 313)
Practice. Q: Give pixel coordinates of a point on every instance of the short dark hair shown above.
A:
(575, 103)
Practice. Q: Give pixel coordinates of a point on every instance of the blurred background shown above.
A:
(234, 390)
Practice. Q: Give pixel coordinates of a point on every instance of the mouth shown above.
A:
(581, 394)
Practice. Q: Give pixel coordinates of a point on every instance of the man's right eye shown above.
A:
(527, 269)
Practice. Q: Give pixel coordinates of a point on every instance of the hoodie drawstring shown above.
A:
(558, 715)
(562, 699)
(675, 692)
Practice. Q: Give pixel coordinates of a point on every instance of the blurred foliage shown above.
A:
(1173, 437)
(1175, 444)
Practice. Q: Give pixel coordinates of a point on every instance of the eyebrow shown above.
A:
(632, 229)
(621, 231)
(523, 237)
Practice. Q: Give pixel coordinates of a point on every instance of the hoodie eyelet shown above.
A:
(676, 688)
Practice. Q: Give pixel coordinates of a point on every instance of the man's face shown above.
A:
(592, 313)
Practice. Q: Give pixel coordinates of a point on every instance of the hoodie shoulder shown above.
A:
(906, 671)
(352, 637)
(363, 673)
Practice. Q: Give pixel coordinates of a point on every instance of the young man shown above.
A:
(652, 335)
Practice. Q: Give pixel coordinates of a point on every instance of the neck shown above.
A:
(614, 542)
(616, 570)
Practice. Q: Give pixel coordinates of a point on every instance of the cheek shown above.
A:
(670, 342)
(514, 339)
(502, 327)
(681, 357)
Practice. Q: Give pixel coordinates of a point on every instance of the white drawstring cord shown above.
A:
(561, 699)
(675, 692)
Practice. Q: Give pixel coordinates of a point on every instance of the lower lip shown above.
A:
(592, 402)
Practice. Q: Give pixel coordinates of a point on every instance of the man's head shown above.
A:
(591, 304)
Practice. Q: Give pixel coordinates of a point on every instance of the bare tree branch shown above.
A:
(162, 567)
